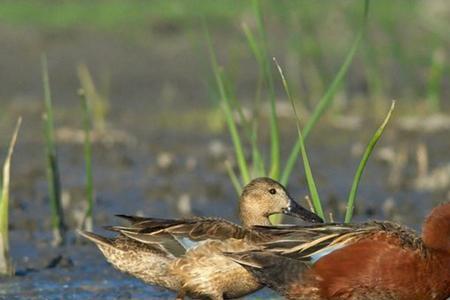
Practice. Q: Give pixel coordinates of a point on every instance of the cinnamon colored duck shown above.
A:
(186, 256)
(371, 261)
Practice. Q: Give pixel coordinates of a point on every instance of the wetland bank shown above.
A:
(165, 142)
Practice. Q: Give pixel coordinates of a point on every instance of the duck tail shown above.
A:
(97, 239)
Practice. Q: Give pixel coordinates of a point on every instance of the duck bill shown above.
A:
(296, 210)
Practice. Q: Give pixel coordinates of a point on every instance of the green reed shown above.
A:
(309, 176)
(87, 151)
(6, 265)
(308, 172)
(53, 178)
(225, 105)
(255, 166)
(370, 146)
(435, 79)
(258, 44)
(328, 97)
(99, 104)
(265, 65)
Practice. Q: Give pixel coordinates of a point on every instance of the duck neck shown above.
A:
(250, 217)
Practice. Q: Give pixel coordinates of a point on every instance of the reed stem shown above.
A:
(6, 265)
(88, 223)
(373, 141)
(307, 167)
(53, 178)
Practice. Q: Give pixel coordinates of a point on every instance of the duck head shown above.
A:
(263, 197)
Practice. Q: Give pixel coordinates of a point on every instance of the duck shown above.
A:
(376, 260)
(187, 255)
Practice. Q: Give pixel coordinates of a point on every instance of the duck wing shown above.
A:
(313, 241)
(176, 236)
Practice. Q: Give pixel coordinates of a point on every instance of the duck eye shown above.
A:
(273, 191)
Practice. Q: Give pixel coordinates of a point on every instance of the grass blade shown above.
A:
(251, 40)
(227, 109)
(53, 178)
(362, 164)
(264, 62)
(258, 161)
(308, 172)
(98, 103)
(88, 222)
(251, 131)
(233, 177)
(435, 79)
(6, 266)
(327, 98)
(265, 66)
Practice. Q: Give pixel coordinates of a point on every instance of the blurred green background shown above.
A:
(405, 54)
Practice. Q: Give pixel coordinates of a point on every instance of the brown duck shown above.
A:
(186, 256)
(377, 260)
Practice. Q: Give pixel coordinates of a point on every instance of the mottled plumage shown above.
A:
(187, 255)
